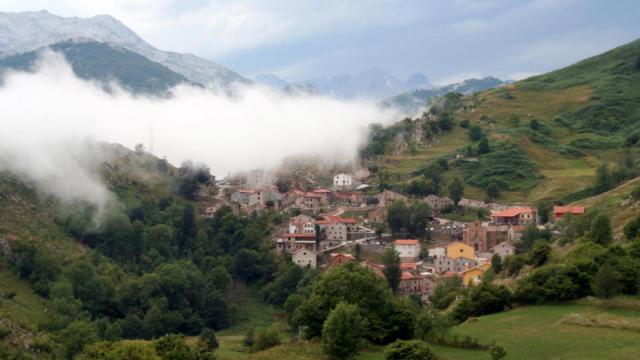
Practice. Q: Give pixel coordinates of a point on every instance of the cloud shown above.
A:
(459, 77)
(48, 114)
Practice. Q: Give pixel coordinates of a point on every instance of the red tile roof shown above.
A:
(408, 266)
(406, 242)
(407, 275)
(322, 191)
(568, 210)
(313, 195)
(512, 212)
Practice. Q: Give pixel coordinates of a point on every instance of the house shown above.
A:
(414, 283)
(446, 264)
(473, 275)
(470, 203)
(459, 249)
(560, 211)
(408, 249)
(514, 216)
(311, 200)
(349, 197)
(387, 197)
(376, 268)
(515, 232)
(437, 252)
(504, 249)
(290, 197)
(302, 224)
(304, 258)
(293, 242)
(342, 181)
(483, 236)
(336, 228)
(437, 202)
(325, 195)
(377, 215)
(338, 259)
(246, 197)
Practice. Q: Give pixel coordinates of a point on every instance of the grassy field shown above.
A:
(581, 330)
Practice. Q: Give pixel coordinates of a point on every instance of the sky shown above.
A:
(446, 40)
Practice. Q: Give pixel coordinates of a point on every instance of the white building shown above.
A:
(409, 250)
(304, 258)
(342, 181)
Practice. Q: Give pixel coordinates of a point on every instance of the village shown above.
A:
(345, 222)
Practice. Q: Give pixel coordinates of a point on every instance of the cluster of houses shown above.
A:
(319, 235)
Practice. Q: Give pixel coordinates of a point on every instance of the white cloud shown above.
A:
(459, 77)
(44, 115)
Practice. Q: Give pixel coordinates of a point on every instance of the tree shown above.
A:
(397, 216)
(446, 292)
(343, 332)
(392, 271)
(604, 181)
(475, 132)
(498, 352)
(496, 263)
(606, 282)
(456, 190)
(75, 336)
(408, 350)
(544, 211)
(358, 252)
(638, 63)
(493, 191)
(539, 253)
(445, 123)
(534, 124)
(482, 300)
(483, 146)
(601, 232)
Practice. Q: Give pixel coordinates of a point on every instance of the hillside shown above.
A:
(104, 63)
(415, 100)
(567, 123)
(28, 31)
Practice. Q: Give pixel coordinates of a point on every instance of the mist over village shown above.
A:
(319, 180)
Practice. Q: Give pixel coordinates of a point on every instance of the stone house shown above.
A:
(387, 197)
(437, 202)
(504, 249)
(514, 216)
(408, 249)
(304, 258)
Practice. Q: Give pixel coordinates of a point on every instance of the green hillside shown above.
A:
(568, 122)
(105, 63)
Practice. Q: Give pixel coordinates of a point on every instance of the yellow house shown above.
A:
(472, 276)
(458, 249)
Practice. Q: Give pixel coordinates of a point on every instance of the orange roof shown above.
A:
(406, 242)
(512, 212)
(321, 191)
(407, 275)
(309, 236)
(348, 256)
(408, 266)
(314, 195)
(336, 219)
(568, 209)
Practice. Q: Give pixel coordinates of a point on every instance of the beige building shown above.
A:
(304, 258)
(408, 249)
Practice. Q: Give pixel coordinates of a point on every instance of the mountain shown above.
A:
(28, 31)
(418, 80)
(105, 63)
(271, 80)
(547, 134)
(413, 101)
(371, 84)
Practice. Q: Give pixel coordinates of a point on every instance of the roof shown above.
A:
(458, 243)
(482, 268)
(512, 212)
(314, 195)
(407, 275)
(408, 266)
(321, 191)
(568, 209)
(406, 242)
(335, 219)
(247, 191)
(503, 244)
(300, 236)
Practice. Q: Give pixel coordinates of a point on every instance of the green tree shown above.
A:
(446, 291)
(392, 271)
(465, 123)
(606, 282)
(604, 181)
(445, 122)
(343, 332)
(483, 146)
(601, 232)
(209, 339)
(545, 209)
(475, 132)
(397, 216)
(496, 263)
(456, 190)
(493, 191)
(534, 124)
(266, 339)
(75, 336)
(358, 252)
(539, 253)
(482, 300)
(408, 350)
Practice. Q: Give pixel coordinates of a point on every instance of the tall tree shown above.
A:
(603, 179)
(606, 282)
(392, 271)
(601, 232)
(343, 332)
(456, 190)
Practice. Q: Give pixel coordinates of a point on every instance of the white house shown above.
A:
(304, 258)
(342, 181)
(409, 250)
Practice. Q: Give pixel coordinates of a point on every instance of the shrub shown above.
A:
(540, 253)
(266, 339)
(408, 350)
(475, 133)
(497, 353)
(465, 123)
(482, 300)
(606, 282)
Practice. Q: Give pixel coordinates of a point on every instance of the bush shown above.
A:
(465, 123)
(408, 350)
(498, 352)
(475, 133)
(482, 300)
(266, 339)
(540, 253)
